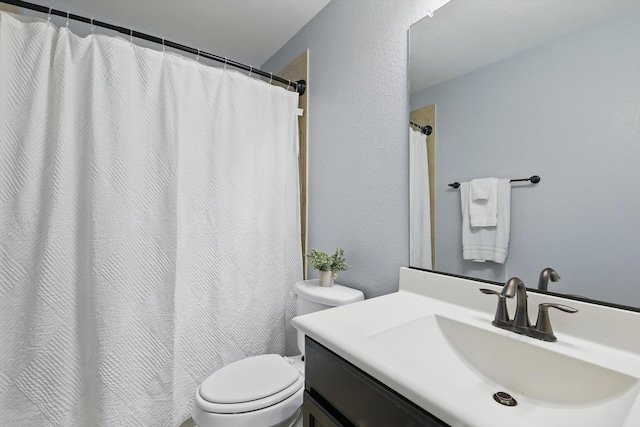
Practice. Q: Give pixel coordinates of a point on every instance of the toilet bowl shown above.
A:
(257, 391)
(265, 390)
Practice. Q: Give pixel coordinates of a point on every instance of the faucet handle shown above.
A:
(502, 315)
(543, 324)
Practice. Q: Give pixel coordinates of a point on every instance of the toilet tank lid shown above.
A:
(333, 295)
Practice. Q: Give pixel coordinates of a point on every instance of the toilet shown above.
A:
(266, 390)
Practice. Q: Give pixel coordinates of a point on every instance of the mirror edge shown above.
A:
(537, 291)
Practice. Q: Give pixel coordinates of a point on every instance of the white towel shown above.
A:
(483, 202)
(487, 243)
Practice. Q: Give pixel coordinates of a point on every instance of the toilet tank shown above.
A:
(311, 297)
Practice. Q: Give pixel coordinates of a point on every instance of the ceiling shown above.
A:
(247, 31)
(465, 35)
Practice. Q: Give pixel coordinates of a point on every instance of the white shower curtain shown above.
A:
(149, 226)
(419, 202)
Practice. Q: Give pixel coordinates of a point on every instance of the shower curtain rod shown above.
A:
(424, 129)
(299, 86)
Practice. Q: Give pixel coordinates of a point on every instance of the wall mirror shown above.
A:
(538, 87)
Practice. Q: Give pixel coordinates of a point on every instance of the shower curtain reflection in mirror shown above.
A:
(419, 201)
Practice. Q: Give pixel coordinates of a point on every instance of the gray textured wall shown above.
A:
(358, 135)
(566, 111)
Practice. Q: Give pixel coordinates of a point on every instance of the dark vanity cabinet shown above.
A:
(339, 394)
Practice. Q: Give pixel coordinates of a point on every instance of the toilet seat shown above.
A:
(249, 385)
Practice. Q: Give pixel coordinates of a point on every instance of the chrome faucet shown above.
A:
(520, 323)
(545, 275)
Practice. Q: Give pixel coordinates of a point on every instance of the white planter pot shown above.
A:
(326, 278)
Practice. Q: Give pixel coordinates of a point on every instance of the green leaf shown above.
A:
(324, 262)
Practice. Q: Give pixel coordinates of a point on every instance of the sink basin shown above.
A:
(549, 386)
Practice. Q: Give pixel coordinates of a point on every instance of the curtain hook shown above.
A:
(91, 25)
(225, 64)
(49, 15)
(198, 57)
(271, 79)
(67, 20)
(163, 47)
(250, 71)
(130, 36)
(288, 85)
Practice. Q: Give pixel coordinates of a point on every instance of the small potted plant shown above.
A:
(328, 265)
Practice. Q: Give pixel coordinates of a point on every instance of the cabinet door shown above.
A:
(353, 397)
(315, 415)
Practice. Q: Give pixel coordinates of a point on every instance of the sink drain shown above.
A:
(504, 399)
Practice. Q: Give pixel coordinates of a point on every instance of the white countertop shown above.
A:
(446, 393)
